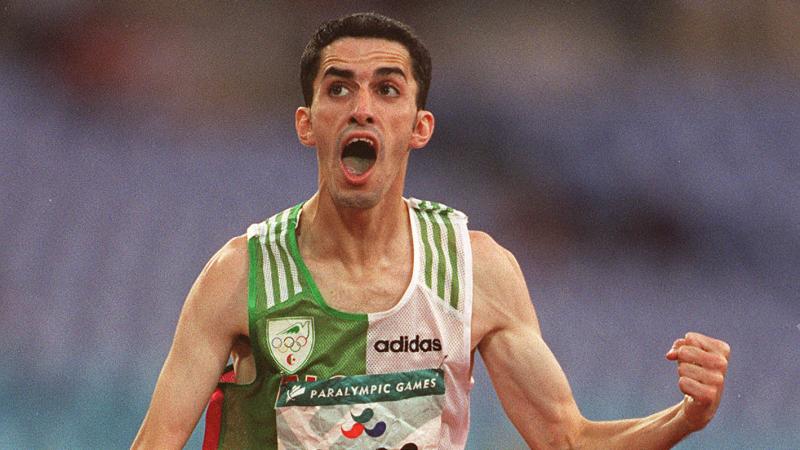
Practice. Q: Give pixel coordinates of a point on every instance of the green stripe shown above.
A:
(437, 234)
(285, 258)
(436, 207)
(256, 296)
(423, 231)
(452, 254)
(276, 231)
(293, 287)
(276, 288)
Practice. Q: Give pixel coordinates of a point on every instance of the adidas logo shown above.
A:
(405, 345)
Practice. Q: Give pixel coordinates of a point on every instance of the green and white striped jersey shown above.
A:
(330, 379)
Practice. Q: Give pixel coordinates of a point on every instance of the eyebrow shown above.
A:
(348, 74)
(333, 71)
(384, 71)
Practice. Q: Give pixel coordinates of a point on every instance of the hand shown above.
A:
(702, 364)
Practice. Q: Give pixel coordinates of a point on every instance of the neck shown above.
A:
(351, 235)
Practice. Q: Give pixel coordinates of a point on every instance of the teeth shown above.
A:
(368, 141)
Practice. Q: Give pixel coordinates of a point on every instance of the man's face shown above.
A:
(363, 120)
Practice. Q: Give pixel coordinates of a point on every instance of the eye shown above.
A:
(388, 90)
(338, 90)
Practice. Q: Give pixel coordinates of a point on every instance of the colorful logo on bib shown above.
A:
(358, 428)
(291, 340)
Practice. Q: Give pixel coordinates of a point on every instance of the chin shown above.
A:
(356, 200)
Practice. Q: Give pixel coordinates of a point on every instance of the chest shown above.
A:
(362, 290)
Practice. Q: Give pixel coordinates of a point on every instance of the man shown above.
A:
(353, 317)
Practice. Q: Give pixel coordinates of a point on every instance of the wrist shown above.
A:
(686, 422)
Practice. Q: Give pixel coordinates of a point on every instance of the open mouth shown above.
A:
(358, 156)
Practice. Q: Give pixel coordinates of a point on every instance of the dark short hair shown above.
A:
(366, 25)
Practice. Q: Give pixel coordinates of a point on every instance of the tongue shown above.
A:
(356, 165)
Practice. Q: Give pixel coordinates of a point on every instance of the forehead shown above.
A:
(350, 51)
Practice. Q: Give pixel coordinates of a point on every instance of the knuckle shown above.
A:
(704, 398)
(719, 362)
(695, 336)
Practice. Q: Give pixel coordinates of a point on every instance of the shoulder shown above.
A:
(229, 261)
(492, 263)
(500, 293)
(219, 295)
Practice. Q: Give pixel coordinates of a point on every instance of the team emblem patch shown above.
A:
(291, 340)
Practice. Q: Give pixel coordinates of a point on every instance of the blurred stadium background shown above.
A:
(640, 159)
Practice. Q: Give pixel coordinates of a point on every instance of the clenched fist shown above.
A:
(702, 365)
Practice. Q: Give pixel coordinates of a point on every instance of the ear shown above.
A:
(423, 129)
(302, 125)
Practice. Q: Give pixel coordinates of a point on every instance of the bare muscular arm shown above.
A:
(534, 390)
(213, 317)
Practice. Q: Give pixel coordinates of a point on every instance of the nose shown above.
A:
(362, 110)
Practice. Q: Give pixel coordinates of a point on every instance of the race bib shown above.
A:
(384, 411)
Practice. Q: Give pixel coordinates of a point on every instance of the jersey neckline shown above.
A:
(294, 221)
